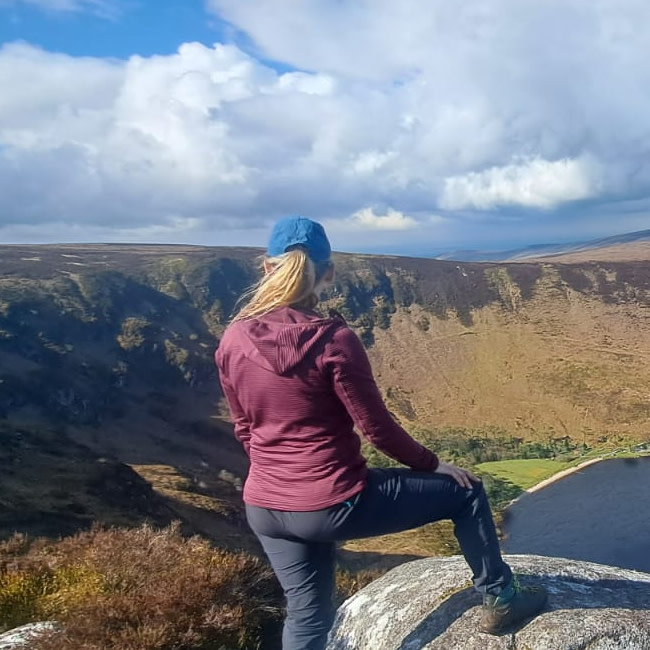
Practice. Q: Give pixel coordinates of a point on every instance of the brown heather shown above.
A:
(137, 589)
(349, 582)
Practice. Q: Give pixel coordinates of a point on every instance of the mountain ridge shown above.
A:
(542, 251)
(112, 347)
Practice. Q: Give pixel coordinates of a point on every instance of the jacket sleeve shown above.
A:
(240, 421)
(355, 386)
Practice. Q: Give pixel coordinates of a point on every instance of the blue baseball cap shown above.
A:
(299, 231)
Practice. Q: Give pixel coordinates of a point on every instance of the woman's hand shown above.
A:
(460, 475)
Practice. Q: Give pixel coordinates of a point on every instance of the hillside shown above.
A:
(50, 485)
(638, 250)
(110, 347)
(628, 246)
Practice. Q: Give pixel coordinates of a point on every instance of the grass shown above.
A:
(172, 484)
(137, 589)
(435, 539)
(524, 473)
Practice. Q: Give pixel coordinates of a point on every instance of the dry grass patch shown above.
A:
(349, 582)
(432, 540)
(139, 589)
(172, 484)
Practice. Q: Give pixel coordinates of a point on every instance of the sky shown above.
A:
(404, 127)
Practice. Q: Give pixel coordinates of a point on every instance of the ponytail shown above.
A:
(291, 279)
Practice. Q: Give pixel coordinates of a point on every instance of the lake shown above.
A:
(600, 513)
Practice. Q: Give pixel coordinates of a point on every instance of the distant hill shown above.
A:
(106, 353)
(635, 245)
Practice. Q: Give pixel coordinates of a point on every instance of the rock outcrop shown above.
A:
(21, 638)
(430, 604)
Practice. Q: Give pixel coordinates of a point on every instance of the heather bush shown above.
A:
(349, 582)
(137, 589)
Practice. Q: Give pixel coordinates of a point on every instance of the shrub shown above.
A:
(137, 589)
(134, 333)
(176, 355)
(349, 582)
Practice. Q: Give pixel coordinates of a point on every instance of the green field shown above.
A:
(523, 473)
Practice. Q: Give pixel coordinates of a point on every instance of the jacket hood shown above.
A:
(281, 340)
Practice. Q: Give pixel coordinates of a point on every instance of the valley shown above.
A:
(106, 357)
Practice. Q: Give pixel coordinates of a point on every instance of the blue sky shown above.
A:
(404, 127)
(144, 28)
(120, 30)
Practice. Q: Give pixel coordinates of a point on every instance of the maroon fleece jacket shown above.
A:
(297, 384)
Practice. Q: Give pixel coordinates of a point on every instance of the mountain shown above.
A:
(635, 245)
(106, 353)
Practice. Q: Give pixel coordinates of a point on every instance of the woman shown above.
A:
(297, 384)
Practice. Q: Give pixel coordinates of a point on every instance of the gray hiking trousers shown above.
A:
(300, 545)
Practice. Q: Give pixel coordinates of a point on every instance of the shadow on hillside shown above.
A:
(40, 524)
(229, 532)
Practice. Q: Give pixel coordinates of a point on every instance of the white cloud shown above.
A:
(309, 84)
(535, 184)
(369, 162)
(367, 219)
(133, 143)
(429, 108)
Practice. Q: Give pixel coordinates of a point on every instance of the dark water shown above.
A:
(600, 514)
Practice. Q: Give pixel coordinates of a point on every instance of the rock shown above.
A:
(430, 604)
(19, 638)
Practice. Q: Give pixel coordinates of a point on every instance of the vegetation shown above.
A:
(481, 450)
(349, 582)
(51, 485)
(159, 311)
(134, 333)
(471, 447)
(113, 353)
(138, 589)
(523, 474)
(507, 464)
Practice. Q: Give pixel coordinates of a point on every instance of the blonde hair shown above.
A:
(292, 279)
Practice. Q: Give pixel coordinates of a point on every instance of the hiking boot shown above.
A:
(514, 605)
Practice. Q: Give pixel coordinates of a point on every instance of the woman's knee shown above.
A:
(478, 489)
(475, 499)
(477, 492)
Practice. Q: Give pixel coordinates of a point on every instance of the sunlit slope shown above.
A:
(572, 359)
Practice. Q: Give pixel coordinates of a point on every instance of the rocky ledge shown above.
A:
(22, 637)
(429, 604)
